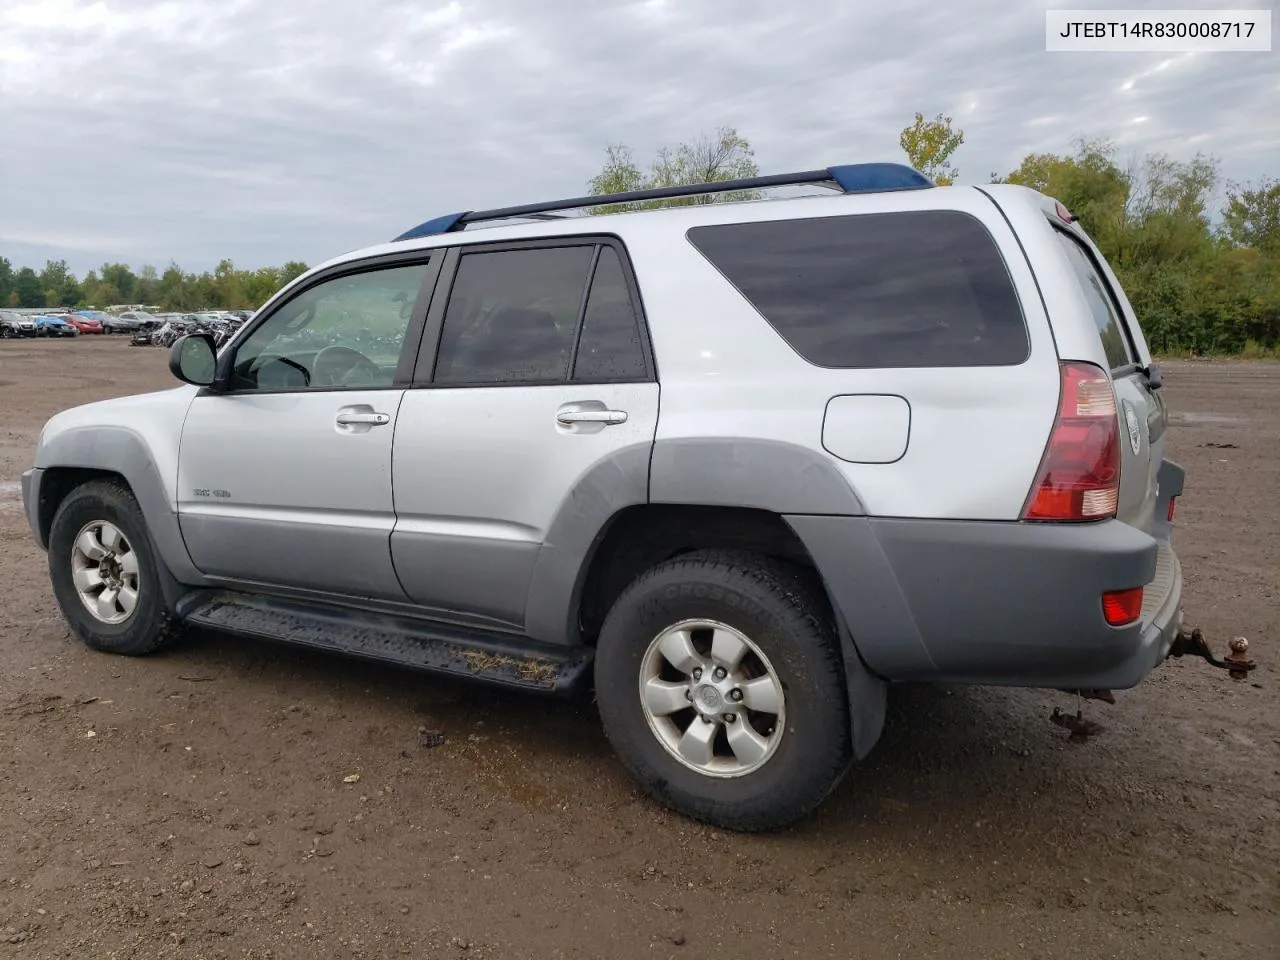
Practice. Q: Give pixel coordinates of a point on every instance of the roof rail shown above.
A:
(850, 178)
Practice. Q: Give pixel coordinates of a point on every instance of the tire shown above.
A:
(784, 617)
(147, 624)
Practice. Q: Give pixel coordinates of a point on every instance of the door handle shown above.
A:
(570, 417)
(348, 419)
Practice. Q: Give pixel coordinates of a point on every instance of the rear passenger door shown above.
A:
(535, 367)
(1140, 409)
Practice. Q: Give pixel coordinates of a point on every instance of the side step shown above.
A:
(504, 659)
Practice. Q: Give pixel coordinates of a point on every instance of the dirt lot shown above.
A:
(193, 804)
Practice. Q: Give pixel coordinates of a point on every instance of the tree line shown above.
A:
(225, 288)
(1199, 284)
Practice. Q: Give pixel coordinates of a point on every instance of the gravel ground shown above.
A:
(196, 804)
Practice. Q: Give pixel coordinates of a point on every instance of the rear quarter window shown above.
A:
(910, 289)
(1102, 305)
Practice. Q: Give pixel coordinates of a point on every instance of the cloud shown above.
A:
(268, 130)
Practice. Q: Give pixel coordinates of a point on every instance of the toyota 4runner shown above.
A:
(739, 465)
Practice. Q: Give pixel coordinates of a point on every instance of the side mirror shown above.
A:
(193, 359)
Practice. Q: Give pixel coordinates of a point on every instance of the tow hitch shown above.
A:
(1187, 642)
(1236, 663)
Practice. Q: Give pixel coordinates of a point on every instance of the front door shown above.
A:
(285, 479)
(543, 373)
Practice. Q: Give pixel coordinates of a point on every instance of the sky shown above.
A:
(263, 131)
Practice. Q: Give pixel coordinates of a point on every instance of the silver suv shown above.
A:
(17, 325)
(740, 465)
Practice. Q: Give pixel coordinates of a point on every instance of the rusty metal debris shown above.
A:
(1238, 659)
(1193, 643)
(430, 738)
(1106, 696)
(1081, 729)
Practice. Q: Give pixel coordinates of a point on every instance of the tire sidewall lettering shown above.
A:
(676, 592)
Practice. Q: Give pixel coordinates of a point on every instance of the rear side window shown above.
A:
(1106, 317)
(910, 289)
(513, 315)
(609, 348)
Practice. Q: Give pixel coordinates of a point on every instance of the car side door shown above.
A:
(535, 371)
(284, 473)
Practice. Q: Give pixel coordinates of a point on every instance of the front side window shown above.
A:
(347, 332)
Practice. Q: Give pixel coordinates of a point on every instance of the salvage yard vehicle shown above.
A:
(17, 325)
(110, 322)
(906, 433)
(48, 325)
(82, 323)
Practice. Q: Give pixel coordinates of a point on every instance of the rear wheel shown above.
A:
(721, 688)
(104, 571)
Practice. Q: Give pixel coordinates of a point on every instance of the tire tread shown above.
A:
(164, 628)
(804, 615)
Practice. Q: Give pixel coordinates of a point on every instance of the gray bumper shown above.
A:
(1000, 603)
(31, 502)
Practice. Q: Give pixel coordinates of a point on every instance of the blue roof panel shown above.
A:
(878, 177)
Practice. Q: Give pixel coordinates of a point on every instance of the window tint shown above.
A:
(1106, 317)
(609, 348)
(512, 316)
(915, 289)
(345, 332)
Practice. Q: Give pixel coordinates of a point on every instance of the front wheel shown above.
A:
(721, 688)
(104, 571)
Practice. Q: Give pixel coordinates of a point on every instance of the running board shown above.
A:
(489, 656)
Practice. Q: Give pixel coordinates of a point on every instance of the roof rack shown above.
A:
(850, 178)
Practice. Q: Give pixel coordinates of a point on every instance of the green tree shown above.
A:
(228, 286)
(103, 295)
(1192, 290)
(1089, 183)
(6, 280)
(1251, 217)
(121, 277)
(88, 286)
(290, 271)
(26, 284)
(146, 285)
(711, 158)
(259, 285)
(929, 145)
(173, 289)
(59, 284)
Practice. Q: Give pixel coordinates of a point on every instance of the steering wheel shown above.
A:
(265, 361)
(333, 366)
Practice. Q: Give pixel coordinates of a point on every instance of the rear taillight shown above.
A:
(1079, 477)
(1172, 503)
(1122, 606)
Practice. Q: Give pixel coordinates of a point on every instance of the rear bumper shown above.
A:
(1014, 604)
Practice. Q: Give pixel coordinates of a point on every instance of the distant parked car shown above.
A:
(17, 325)
(144, 320)
(110, 323)
(82, 323)
(50, 326)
